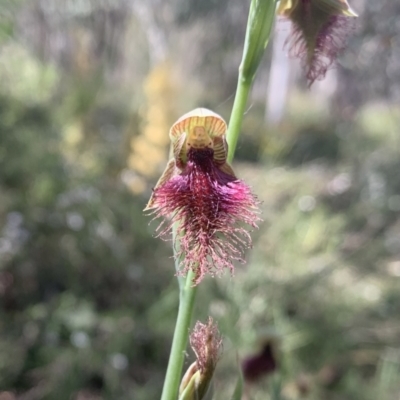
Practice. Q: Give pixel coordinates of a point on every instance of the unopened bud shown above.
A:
(206, 343)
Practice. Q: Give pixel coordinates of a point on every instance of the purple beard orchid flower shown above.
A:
(320, 30)
(200, 192)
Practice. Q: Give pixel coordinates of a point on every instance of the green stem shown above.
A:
(177, 257)
(181, 334)
(258, 32)
(238, 110)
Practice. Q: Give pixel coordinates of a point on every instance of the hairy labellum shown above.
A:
(320, 29)
(208, 204)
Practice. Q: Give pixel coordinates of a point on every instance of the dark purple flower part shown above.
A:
(210, 205)
(261, 364)
(320, 30)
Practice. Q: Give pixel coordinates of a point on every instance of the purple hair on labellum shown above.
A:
(209, 205)
(320, 30)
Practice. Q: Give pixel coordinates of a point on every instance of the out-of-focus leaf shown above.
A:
(276, 388)
(388, 374)
(237, 393)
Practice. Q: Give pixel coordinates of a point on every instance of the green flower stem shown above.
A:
(176, 249)
(259, 25)
(235, 123)
(258, 32)
(178, 350)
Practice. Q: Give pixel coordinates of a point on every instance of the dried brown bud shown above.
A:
(206, 343)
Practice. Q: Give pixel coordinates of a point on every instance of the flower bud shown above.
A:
(206, 343)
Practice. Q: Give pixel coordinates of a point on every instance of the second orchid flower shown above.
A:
(320, 29)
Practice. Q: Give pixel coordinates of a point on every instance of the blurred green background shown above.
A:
(89, 89)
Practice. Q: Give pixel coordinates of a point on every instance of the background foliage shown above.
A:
(88, 298)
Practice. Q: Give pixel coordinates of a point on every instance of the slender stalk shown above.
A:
(258, 32)
(176, 248)
(259, 27)
(238, 110)
(179, 342)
